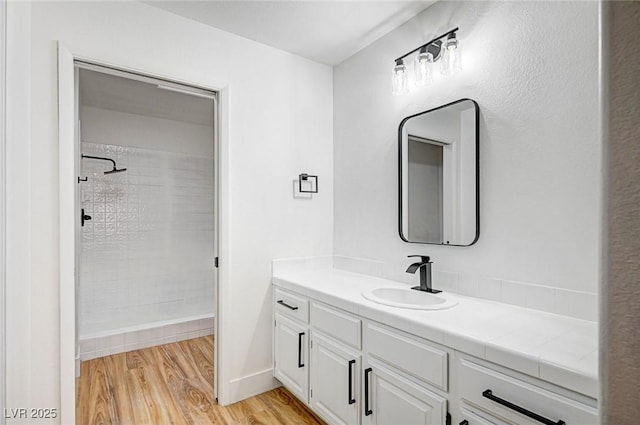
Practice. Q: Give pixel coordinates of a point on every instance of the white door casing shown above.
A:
(68, 150)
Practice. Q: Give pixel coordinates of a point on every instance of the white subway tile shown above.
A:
(541, 298)
(514, 293)
(445, 281)
(489, 288)
(582, 305)
(129, 277)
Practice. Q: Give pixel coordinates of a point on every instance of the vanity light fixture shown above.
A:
(451, 55)
(423, 68)
(400, 78)
(448, 51)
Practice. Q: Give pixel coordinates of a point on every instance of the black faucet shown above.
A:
(425, 274)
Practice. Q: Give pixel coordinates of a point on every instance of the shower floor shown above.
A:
(172, 384)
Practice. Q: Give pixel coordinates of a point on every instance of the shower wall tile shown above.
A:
(147, 253)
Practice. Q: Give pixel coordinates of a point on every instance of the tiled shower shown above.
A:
(146, 254)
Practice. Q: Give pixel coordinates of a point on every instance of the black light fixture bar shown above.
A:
(427, 44)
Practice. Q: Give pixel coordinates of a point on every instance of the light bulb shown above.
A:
(423, 66)
(400, 79)
(451, 58)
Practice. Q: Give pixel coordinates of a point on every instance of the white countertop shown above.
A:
(558, 349)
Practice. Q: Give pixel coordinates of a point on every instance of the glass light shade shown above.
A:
(400, 79)
(423, 67)
(451, 57)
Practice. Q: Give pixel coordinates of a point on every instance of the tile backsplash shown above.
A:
(581, 305)
(147, 253)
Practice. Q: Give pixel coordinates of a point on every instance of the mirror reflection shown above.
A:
(438, 164)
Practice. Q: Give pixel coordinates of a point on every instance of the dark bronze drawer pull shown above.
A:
(290, 307)
(300, 364)
(367, 410)
(489, 394)
(352, 399)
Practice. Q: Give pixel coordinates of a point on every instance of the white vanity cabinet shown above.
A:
(291, 343)
(490, 394)
(291, 356)
(336, 364)
(390, 399)
(392, 378)
(352, 370)
(405, 378)
(468, 417)
(335, 381)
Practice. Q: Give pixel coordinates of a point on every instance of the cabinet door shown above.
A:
(391, 399)
(291, 356)
(469, 418)
(335, 381)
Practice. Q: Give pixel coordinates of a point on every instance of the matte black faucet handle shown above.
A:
(424, 258)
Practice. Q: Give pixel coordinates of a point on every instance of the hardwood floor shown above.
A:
(172, 384)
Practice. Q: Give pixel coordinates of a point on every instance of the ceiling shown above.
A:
(105, 91)
(327, 31)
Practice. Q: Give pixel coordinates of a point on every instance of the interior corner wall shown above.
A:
(279, 125)
(533, 69)
(620, 304)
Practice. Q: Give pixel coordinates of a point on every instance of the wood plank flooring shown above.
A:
(172, 384)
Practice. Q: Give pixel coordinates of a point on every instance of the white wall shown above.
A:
(279, 124)
(109, 127)
(19, 340)
(533, 69)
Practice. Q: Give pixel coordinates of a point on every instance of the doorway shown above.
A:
(145, 231)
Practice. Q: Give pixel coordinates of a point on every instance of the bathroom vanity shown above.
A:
(354, 361)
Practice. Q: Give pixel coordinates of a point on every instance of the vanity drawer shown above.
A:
(491, 391)
(291, 305)
(474, 419)
(409, 354)
(339, 325)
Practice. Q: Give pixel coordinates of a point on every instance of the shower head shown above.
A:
(115, 170)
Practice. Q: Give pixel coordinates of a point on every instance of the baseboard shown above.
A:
(130, 339)
(250, 385)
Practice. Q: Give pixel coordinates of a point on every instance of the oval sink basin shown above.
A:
(408, 298)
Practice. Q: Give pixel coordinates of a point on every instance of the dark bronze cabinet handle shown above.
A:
(350, 366)
(465, 422)
(290, 307)
(300, 335)
(367, 411)
(528, 413)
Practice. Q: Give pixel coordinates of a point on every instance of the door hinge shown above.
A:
(312, 393)
(215, 262)
(311, 343)
(274, 324)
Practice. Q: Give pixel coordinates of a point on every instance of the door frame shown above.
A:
(67, 186)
